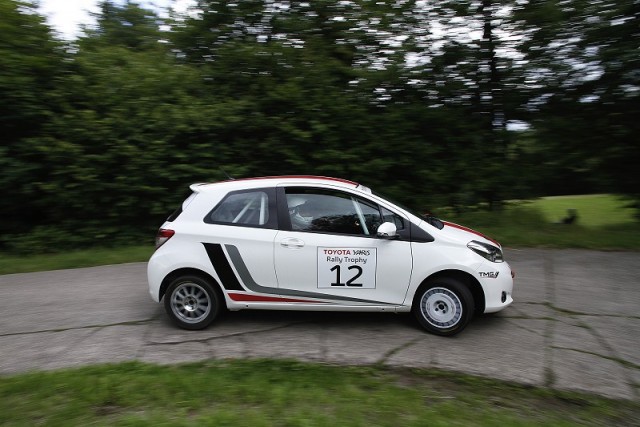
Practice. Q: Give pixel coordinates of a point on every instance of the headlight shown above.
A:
(485, 250)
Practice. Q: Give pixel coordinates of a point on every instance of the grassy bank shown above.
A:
(266, 393)
(73, 259)
(604, 222)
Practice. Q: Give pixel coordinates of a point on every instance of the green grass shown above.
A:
(604, 222)
(595, 210)
(73, 259)
(284, 393)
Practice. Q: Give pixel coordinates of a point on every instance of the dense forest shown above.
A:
(434, 103)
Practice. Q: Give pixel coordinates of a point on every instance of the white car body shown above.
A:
(269, 264)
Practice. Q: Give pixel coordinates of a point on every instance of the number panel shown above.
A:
(347, 267)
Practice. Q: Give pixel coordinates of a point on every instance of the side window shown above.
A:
(331, 212)
(388, 216)
(250, 208)
(371, 214)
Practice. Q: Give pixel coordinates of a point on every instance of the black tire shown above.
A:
(443, 306)
(192, 302)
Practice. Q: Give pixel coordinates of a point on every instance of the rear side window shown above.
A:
(254, 208)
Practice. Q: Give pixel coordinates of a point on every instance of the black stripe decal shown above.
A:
(222, 267)
(246, 277)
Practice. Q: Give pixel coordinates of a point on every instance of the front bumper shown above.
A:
(496, 280)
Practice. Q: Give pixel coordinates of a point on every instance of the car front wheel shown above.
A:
(192, 302)
(443, 306)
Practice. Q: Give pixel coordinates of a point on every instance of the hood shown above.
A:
(464, 233)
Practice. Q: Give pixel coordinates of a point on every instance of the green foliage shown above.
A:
(128, 25)
(30, 67)
(101, 136)
(265, 393)
(587, 64)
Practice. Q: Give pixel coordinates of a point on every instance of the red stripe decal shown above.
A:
(323, 178)
(261, 298)
(462, 227)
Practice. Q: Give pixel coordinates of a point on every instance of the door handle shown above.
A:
(292, 243)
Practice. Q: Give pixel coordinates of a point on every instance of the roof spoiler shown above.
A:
(196, 187)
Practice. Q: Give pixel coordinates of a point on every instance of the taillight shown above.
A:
(163, 235)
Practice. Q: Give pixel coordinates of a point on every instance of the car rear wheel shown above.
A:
(443, 306)
(192, 302)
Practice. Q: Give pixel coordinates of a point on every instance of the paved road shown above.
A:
(575, 325)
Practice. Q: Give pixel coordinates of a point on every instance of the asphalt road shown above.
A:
(575, 325)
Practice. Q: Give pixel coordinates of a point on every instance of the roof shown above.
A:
(298, 179)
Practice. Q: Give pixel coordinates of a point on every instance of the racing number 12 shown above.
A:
(351, 281)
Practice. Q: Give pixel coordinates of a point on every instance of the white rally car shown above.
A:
(318, 243)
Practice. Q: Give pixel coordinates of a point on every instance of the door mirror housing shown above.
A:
(387, 230)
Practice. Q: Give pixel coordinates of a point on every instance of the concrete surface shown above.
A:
(575, 325)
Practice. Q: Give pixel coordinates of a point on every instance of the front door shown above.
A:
(331, 251)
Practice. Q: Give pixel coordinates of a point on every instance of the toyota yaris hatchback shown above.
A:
(318, 243)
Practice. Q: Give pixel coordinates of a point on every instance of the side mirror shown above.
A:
(387, 230)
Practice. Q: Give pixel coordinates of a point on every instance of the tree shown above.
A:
(127, 25)
(112, 141)
(124, 132)
(465, 63)
(584, 64)
(31, 62)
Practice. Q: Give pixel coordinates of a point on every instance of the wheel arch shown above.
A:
(462, 276)
(193, 272)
